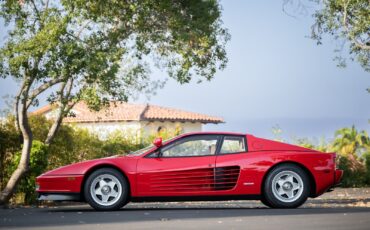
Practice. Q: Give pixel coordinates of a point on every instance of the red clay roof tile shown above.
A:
(120, 111)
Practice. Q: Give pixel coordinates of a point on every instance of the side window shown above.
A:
(233, 144)
(199, 145)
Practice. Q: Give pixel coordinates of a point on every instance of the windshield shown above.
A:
(144, 150)
(141, 151)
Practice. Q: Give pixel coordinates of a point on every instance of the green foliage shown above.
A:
(346, 21)
(277, 132)
(40, 127)
(73, 145)
(102, 48)
(354, 171)
(352, 147)
(9, 144)
(38, 164)
(119, 143)
(348, 141)
(367, 168)
(305, 142)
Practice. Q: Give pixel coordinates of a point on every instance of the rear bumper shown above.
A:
(338, 176)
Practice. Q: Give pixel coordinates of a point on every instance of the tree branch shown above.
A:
(360, 44)
(41, 89)
(82, 28)
(47, 4)
(36, 10)
(63, 109)
(345, 26)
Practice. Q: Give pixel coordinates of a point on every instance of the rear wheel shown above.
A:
(264, 201)
(286, 186)
(106, 189)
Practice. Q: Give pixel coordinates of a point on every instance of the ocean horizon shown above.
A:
(291, 129)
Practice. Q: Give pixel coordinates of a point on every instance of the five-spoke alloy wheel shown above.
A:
(106, 189)
(286, 186)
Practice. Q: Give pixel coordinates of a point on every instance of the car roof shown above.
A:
(213, 133)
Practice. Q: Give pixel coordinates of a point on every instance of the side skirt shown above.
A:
(194, 198)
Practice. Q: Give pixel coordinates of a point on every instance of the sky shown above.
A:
(276, 77)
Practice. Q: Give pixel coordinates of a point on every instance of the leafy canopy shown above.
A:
(104, 49)
(349, 22)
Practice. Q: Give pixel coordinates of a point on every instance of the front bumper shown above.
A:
(59, 184)
(59, 196)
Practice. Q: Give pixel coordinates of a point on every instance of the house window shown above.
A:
(233, 144)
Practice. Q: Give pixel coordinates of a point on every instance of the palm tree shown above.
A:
(348, 141)
(351, 144)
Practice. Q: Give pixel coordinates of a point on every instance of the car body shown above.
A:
(197, 166)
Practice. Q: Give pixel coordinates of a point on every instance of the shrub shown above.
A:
(38, 164)
(10, 143)
(354, 171)
(120, 143)
(366, 157)
(72, 145)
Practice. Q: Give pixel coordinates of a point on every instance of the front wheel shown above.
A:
(286, 186)
(106, 189)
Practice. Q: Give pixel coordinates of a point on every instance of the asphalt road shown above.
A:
(199, 215)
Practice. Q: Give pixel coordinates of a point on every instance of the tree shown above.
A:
(96, 51)
(348, 21)
(351, 145)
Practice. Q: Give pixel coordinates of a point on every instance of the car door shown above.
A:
(230, 164)
(182, 167)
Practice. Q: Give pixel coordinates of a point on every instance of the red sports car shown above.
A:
(197, 166)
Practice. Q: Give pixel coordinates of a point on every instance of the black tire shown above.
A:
(111, 187)
(286, 186)
(264, 202)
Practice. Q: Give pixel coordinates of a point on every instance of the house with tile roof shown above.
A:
(133, 119)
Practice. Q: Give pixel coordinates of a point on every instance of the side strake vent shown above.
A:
(208, 179)
(226, 177)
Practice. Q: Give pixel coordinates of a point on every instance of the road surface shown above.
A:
(185, 215)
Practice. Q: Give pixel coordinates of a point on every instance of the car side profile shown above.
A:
(197, 166)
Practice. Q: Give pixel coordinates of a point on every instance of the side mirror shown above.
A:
(158, 142)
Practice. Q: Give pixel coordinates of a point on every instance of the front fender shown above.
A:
(69, 179)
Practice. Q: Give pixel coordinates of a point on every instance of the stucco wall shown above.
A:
(138, 128)
(103, 129)
(150, 128)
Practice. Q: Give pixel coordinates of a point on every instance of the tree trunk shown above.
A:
(23, 165)
(56, 124)
(22, 168)
(2, 174)
(64, 108)
(16, 106)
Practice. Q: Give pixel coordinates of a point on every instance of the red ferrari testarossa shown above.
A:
(197, 166)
